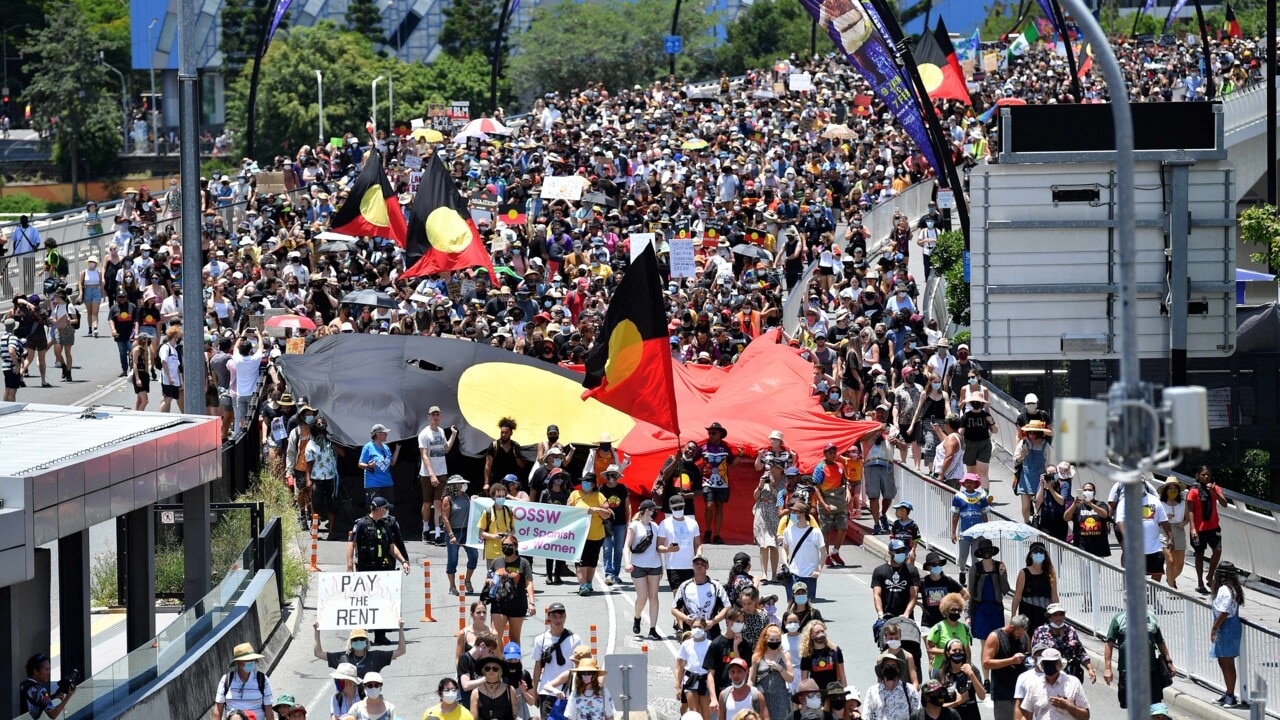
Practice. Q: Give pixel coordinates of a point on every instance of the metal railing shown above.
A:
(1244, 108)
(1092, 591)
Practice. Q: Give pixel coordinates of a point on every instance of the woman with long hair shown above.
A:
(513, 596)
(772, 672)
(467, 636)
(641, 558)
(820, 659)
(90, 287)
(1228, 597)
(140, 377)
(1036, 589)
(1175, 550)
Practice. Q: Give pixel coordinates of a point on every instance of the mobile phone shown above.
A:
(674, 546)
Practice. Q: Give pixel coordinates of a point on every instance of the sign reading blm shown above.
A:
(359, 600)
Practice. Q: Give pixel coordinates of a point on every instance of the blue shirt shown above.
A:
(378, 475)
(972, 509)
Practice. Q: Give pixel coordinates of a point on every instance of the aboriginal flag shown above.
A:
(372, 208)
(512, 213)
(1232, 28)
(862, 105)
(629, 365)
(939, 68)
(756, 236)
(442, 235)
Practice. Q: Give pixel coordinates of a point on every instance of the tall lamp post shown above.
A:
(151, 63)
(320, 104)
(373, 114)
(391, 103)
(124, 98)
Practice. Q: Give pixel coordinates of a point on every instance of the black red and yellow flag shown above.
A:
(372, 208)
(711, 235)
(512, 213)
(756, 236)
(442, 235)
(939, 68)
(629, 365)
(1232, 27)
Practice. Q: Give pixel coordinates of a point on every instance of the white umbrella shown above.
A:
(341, 237)
(461, 138)
(1001, 529)
(487, 126)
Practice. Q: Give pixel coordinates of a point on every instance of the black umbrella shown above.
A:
(598, 198)
(754, 251)
(335, 246)
(372, 298)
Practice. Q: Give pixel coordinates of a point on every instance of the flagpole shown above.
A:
(503, 17)
(1061, 20)
(249, 139)
(1206, 52)
(1022, 14)
(1136, 17)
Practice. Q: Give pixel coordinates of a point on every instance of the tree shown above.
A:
(66, 92)
(764, 32)
(242, 28)
(615, 42)
(469, 28)
(445, 80)
(1260, 226)
(364, 19)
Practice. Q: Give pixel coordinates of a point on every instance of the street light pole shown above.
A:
(391, 103)
(373, 114)
(124, 98)
(320, 104)
(151, 63)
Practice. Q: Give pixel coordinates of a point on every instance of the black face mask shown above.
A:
(1049, 668)
(953, 616)
(837, 704)
(773, 644)
(890, 671)
(508, 550)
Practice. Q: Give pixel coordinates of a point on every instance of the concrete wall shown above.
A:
(26, 633)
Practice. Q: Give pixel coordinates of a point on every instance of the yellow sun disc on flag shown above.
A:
(626, 349)
(374, 207)
(536, 398)
(447, 231)
(930, 75)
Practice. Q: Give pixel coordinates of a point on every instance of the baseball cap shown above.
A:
(1030, 398)
(511, 651)
(379, 503)
(904, 504)
(700, 558)
(433, 409)
(555, 607)
(896, 545)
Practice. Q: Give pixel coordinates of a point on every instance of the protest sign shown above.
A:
(639, 241)
(682, 264)
(415, 177)
(295, 346)
(413, 162)
(366, 600)
(271, 183)
(800, 82)
(555, 532)
(568, 187)
(460, 112)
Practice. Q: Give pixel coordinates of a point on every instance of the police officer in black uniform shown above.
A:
(375, 545)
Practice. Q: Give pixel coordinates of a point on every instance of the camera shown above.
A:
(70, 681)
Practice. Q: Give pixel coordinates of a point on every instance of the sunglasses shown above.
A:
(490, 669)
(373, 685)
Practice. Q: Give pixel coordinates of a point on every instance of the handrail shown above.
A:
(1092, 591)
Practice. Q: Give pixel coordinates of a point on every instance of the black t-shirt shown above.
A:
(504, 461)
(895, 586)
(511, 587)
(123, 318)
(931, 593)
(616, 497)
(371, 661)
(468, 667)
(719, 654)
(822, 664)
(976, 425)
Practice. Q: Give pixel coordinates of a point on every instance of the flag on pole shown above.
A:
(939, 69)
(1085, 58)
(371, 208)
(1023, 41)
(282, 7)
(442, 235)
(1173, 14)
(975, 46)
(629, 366)
(1232, 27)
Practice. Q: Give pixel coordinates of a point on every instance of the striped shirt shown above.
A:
(238, 694)
(8, 344)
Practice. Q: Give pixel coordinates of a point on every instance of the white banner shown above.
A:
(640, 241)
(799, 82)
(682, 264)
(546, 531)
(568, 187)
(366, 600)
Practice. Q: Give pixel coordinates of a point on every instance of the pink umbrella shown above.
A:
(297, 322)
(1004, 101)
(488, 126)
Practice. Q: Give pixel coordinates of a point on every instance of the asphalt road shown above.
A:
(95, 369)
(844, 597)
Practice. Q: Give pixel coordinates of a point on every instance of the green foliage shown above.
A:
(617, 43)
(764, 32)
(22, 204)
(962, 338)
(469, 28)
(446, 79)
(1000, 17)
(67, 90)
(104, 590)
(242, 26)
(364, 19)
(1251, 477)
(948, 261)
(1260, 226)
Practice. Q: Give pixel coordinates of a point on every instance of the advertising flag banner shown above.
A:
(555, 532)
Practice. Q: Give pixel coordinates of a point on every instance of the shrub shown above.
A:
(19, 203)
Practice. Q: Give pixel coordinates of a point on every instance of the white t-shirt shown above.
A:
(649, 558)
(238, 695)
(700, 601)
(681, 531)
(434, 442)
(1152, 516)
(1020, 686)
(1225, 602)
(805, 560)
(169, 373)
(693, 652)
(552, 669)
(248, 368)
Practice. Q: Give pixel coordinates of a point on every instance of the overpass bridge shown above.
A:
(1244, 119)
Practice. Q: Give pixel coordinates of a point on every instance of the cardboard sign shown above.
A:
(460, 112)
(368, 600)
(413, 162)
(568, 187)
(415, 178)
(271, 183)
(682, 264)
(454, 288)
(990, 62)
(295, 346)
(800, 82)
(546, 531)
(484, 200)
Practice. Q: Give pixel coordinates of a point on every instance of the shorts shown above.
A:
(677, 576)
(696, 684)
(65, 336)
(908, 433)
(1210, 539)
(879, 482)
(323, 498)
(432, 493)
(141, 383)
(715, 494)
(833, 522)
(976, 452)
(387, 493)
(639, 572)
(591, 553)
(826, 270)
(299, 479)
(1179, 541)
(225, 401)
(12, 380)
(92, 295)
(1155, 563)
(169, 391)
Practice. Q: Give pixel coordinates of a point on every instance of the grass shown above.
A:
(231, 533)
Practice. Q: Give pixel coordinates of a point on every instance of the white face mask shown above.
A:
(677, 514)
(739, 684)
(373, 692)
(449, 696)
(1058, 626)
(1088, 494)
(793, 627)
(895, 644)
(699, 634)
(737, 627)
(813, 702)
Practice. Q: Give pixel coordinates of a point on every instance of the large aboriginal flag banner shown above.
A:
(629, 366)
(442, 235)
(372, 208)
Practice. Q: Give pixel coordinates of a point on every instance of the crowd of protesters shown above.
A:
(795, 172)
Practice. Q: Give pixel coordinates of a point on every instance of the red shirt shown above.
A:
(1204, 511)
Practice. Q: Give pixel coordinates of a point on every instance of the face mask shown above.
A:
(935, 571)
(1088, 494)
(929, 223)
(677, 513)
(793, 628)
(954, 615)
(586, 486)
(936, 386)
(737, 627)
(508, 550)
(557, 462)
(820, 638)
(770, 609)
(957, 657)
(359, 645)
(837, 704)
(500, 501)
(893, 644)
(899, 557)
(310, 419)
(250, 666)
(1058, 625)
(449, 696)
(373, 692)
(813, 702)
(773, 644)
(973, 381)
(1031, 407)
(1049, 668)
(1037, 557)
(699, 634)
(890, 671)
(739, 684)
(802, 600)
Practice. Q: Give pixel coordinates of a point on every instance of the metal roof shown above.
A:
(34, 438)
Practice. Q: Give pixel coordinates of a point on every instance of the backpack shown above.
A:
(60, 264)
(262, 683)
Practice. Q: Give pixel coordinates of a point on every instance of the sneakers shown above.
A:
(1230, 701)
(635, 626)
(653, 634)
(831, 560)
(876, 529)
(584, 589)
(608, 581)
(839, 560)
